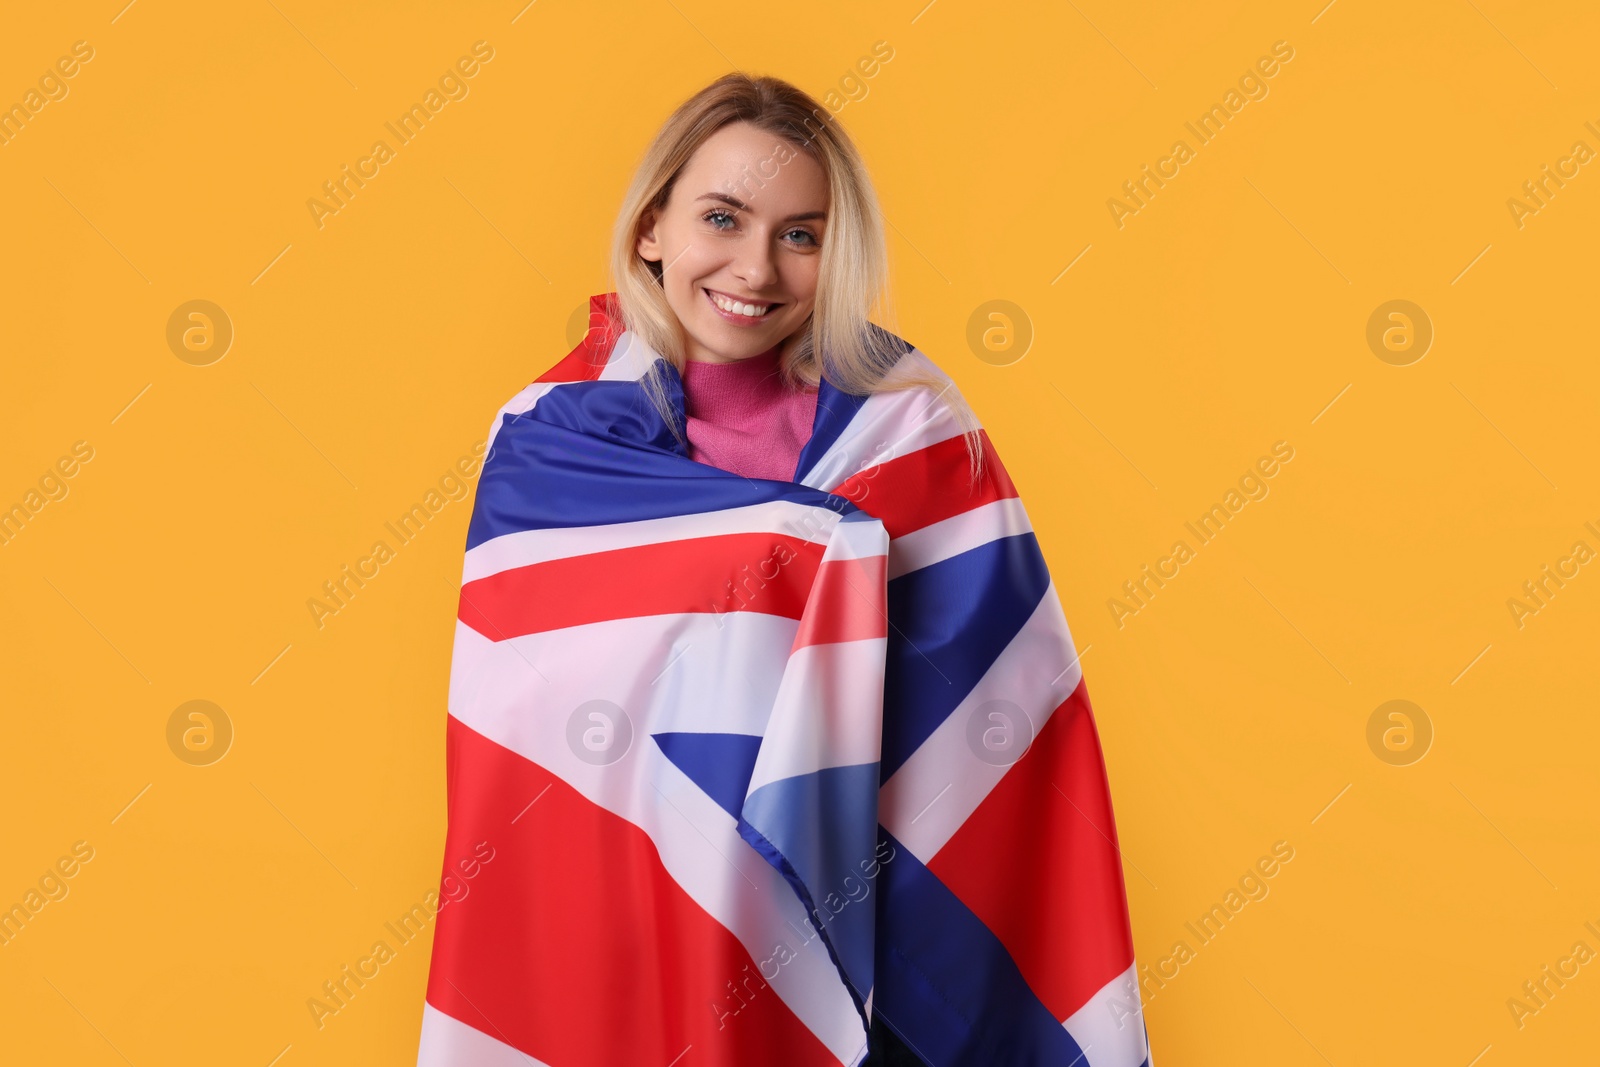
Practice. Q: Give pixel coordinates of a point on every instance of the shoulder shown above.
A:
(913, 411)
(925, 396)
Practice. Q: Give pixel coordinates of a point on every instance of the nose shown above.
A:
(754, 265)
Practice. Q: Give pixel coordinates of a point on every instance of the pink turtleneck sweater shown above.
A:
(743, 419)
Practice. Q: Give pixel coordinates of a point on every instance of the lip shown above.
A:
(738, 320)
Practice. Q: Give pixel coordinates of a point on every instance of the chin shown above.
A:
(735, 352)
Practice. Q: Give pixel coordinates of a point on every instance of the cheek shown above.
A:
(800, 278)
(694, 264)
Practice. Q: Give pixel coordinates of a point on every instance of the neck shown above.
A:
(704, 356)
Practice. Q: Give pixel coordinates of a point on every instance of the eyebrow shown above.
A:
(733, 201)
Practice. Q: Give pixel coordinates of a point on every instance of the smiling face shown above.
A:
(734, 241)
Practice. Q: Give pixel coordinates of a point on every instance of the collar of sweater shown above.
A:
(717, 391)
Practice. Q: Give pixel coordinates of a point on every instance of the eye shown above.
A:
(723, 221)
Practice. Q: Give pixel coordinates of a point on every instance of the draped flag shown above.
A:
(762, 761)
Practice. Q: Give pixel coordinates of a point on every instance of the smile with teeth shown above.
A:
(735, 307)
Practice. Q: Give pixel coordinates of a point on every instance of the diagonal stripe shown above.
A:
(886, 424)
(725, 681)
(954, 619)
(937, 789)
(1057, 903)
(944, 981)
(926, 486)
(810, 827)
(574, 926)
(719, 763)
(957, 534)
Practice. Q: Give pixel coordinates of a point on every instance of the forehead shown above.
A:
(769, 173)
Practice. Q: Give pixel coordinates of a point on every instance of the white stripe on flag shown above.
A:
(932, 793)
(861, 538)
(1110, 1027)
(887, 426)
(957, 534)
(704, 680)
(828, 712)
(628, 359)
(449, 1042)
(690, 671)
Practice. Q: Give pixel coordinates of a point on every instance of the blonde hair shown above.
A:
(858, 357)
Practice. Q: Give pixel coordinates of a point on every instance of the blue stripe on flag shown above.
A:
(719, 763)
(550, 468)
(949, 621)
(948, 987)
(835, 408)
(824, 829)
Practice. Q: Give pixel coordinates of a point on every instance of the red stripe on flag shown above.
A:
(573, 943)
(768, 573)
(926, 486)
(847, 603)
(1058, 904)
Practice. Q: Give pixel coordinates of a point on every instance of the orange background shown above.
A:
(1228, 313)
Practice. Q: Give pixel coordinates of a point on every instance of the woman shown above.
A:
(761, 696)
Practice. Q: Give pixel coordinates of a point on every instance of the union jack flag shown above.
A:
(762, 761)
